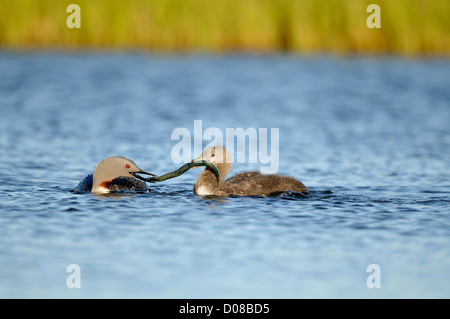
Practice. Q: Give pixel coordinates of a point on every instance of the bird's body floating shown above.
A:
(113, 174)
(218, 163)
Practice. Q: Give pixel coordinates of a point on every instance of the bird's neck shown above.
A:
(206, 183)
(100, 186)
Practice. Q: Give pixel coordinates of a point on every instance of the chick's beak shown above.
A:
(197, 160)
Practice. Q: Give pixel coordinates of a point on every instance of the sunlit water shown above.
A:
(370, 137)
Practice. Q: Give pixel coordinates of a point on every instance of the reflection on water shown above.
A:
(369, 136)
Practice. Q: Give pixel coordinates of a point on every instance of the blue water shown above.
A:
(370, 136)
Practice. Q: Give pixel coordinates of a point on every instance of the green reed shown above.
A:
(410, 27)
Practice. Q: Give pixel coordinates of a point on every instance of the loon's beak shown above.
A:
(136, 174)
(198, 160)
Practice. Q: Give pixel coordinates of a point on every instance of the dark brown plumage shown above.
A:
(244, 184)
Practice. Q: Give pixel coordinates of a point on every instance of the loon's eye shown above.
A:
(127, 166)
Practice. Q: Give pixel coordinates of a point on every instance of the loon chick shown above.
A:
(218, 164)
(243, 184)
(112, 174)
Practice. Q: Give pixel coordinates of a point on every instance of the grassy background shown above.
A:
(411, 27)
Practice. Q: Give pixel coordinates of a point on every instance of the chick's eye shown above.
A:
(127, 166)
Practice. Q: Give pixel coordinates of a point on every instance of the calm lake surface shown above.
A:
(370, 136)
